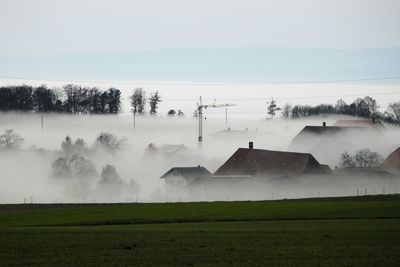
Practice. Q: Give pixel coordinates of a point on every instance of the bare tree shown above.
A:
(138, 101)
(346, 160)
(372, 106)
(341, 107)
(109, 142)
(363, 158)
(10, 139)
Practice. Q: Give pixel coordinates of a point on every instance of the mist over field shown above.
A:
(26, 173)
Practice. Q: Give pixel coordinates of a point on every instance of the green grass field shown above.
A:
(363, 231)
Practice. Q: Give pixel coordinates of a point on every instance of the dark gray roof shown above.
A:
(259, 162)
(187, 172)
(331, 134)
(359, 123)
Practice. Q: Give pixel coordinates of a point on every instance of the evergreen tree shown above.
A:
(272, 108)
(154, 100)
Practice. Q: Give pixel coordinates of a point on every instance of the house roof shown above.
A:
(330, 131)
(392, 162)
(259, 162)
(359, 123)
(168, 149)
(366, 171)
(187, 172)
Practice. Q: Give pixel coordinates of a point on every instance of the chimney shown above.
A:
(250, 145)
(324, 124)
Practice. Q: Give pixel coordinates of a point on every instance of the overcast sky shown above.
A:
(78, 26)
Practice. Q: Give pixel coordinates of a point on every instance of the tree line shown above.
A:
(70, 98)
(139, 99)
(366, 107)
(74, 99)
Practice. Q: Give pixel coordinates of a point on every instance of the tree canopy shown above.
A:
(71, 98)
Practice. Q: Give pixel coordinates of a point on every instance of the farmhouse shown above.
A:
(172, 154)
(315, 134)
(335, 139)
(260, 163)
(249, 166)
(180, 177)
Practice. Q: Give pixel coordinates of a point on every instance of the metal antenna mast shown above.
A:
(199, 111)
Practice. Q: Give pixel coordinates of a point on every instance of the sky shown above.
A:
(252, 41)
(91, 26)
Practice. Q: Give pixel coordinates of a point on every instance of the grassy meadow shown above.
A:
(359, 231)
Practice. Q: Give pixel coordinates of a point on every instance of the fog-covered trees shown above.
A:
(109, 142)
(72, 163)
(10, 140)
(133, 188)
(110, 184)
(286, 111)
(299, 111)
(74, 166)
(364, 158)
(394, 111)
(69, 147)
(365, 107)
(154, 100)
(73, 99)
(82, 100)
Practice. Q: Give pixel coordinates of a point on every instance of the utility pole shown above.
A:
(41, 122)
(199, 111)
(134, 119)
(226, 116)
(200, 118)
